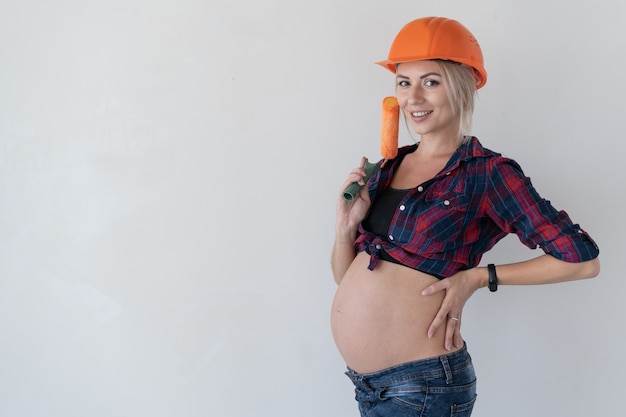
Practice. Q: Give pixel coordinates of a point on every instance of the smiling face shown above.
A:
(422, 95)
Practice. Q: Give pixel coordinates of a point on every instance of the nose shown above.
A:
(416, 95)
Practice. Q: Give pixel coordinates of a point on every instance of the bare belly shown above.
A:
(380, 318)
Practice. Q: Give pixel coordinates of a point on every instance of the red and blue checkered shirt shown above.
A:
(446, 224)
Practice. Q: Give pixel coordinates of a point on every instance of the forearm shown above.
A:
(544, 269)
(343, 254)
(458, 288)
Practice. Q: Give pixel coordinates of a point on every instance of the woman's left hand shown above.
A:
(458, 289)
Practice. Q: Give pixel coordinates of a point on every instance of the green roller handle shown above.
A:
(353, 189)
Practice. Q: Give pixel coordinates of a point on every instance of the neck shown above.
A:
(438, 147)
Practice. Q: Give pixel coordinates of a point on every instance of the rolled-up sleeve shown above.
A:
(516, 207)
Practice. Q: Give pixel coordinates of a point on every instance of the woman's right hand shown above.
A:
(350, 213)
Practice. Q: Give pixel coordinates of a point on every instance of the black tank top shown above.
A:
(383, 208)
(381, 213)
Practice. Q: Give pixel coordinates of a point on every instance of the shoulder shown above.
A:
(473, 148)
(480, 154)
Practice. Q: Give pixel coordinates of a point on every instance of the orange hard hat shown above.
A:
(436, 38)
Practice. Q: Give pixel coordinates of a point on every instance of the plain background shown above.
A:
(168, 176)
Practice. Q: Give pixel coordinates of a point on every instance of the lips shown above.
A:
(421, 113)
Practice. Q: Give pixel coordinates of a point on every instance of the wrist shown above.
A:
(482, 277)
(346, 237)
(346, 231)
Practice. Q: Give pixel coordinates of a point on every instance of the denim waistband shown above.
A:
(435, 367)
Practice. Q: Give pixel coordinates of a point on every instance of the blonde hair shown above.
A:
(461, 89)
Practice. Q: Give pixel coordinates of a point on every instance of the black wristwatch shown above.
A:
(493, 278)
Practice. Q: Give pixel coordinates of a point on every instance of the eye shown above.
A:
(403, 83)
(431, 83)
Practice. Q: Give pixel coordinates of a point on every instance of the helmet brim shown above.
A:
(479, 74)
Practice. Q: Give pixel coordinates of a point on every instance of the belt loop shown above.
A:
(446, 368)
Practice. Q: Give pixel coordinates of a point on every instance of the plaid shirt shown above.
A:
(446, 224)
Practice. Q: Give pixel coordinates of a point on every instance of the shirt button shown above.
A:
(448, 173)
(390, 237)
(446, 203)
(420, 188)
(402, 207)
(379, 247)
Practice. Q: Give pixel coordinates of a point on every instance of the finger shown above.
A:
(451, 325)
(435, 288)
(458, 339)
(357, 175)
(453, 331)
(440, 319)
(360, 171)
(365, 194)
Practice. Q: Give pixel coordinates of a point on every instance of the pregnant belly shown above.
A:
(380, 319)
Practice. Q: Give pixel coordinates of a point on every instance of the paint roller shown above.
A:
(388, 144)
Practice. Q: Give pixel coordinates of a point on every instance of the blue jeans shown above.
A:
(435, 387)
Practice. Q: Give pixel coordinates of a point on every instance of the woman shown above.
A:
(407, 248)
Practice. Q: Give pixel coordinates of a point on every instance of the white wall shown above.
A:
(168, 174)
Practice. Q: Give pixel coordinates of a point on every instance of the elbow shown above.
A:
(591, 268)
